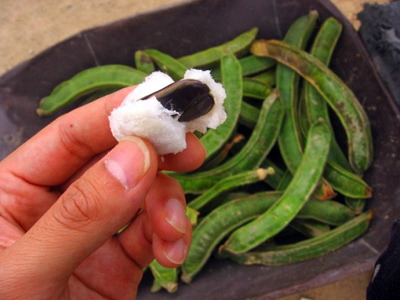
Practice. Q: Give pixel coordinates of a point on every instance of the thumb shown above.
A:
(92, 209)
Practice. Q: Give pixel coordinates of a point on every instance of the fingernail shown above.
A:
(175, 215)
(175, 252)
(128, 161)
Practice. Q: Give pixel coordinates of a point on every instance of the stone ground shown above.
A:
(28, 27)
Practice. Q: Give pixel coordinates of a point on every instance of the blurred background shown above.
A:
(28, 27)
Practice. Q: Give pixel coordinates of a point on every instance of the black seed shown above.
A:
(190, 98)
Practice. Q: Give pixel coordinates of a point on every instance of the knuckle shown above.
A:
(169, 181)
(81, 205)
(176, 185)
(71, 140)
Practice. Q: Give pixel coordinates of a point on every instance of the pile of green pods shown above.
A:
(274, 171)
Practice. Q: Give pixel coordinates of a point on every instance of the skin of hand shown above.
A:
(67, 191)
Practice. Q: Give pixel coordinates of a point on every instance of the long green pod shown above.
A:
(315, 106)
(250, 64)
(272, 180)
(287, 82)
(228, 184)
(220, 157)
(166, 277)
(285, 181)
(231, 215)
(303, 122)
(334, 91)
(355, 204)
(144, 62)
(214, 140)
(210, 57)
(346, 182)
(309, 228)
(340, 178)
(167, 63)
(225, 198)
(343, 181)
(100, 93)
(250, 156)
(218, 224)
(310, 248)
(255, 89)
(268, 77)
(249, 115)
(89, 81)
(326, 211)
(293, 199)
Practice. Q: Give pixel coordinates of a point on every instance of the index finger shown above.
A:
(68, 143)
(65, 146)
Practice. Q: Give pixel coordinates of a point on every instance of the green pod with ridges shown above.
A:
(210, 57)
(267, 77)
(255, 89)
(285, 181)
(250, 64)
(99, 94)
(167, 63)
(287, 82)
(355, 204)
(218, 224)
(249, 115)
(250, 156)
(86, 82)
(340, 179)
(220, 157)
(214, 140)
(143, 62)
(166, 277)
(303, 184)
(314, 105)
(227, 185)
(225, 198)
(335, 92)
(310, 248)
(237, 211)
(272, 180)
(302, 120)
(232, 196)
(309, 228)
(346, 182)
(326, 211)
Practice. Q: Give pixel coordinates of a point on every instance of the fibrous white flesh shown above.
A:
(150, 120)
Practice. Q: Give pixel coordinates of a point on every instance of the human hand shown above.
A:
(63, 197)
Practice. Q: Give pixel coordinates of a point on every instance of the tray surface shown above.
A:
(197, 25)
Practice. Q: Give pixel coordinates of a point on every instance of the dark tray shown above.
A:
(190, 27)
